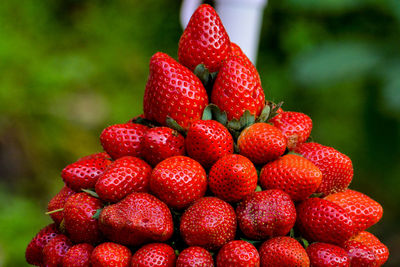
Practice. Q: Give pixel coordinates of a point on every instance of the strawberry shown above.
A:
(363, 210)
(236, 50)
(78, 256)
(336, 168)
(124, 139)
(232, 178)
(360, 255)
(210, 223)
(173, 90)
(265, 214)
(58, 202)
(380, 250)
(124, 176)
(34, 250)
(78, 218)
(207, 141)
(325, 255)
(137, 219)
(110, 254)
(195, 256)
(283, 251)
(204, 41)
(160, 143)
(100, 155)
(178, 181)
(293, 174)
(321, 220)
(55, 250)
(155, 254)
(83, 174)
(261, 142)
(295, 126)
(238, 253)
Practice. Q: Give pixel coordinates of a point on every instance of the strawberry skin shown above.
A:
(238, 253)
(100, 155)
(204, 41)
(173, 90)
(155, 254)
(236, 50)
(360, 255)
(326, 255)
(195, 256)
(209, 223)
(124, 176)
(261, 142)
(178, 181)
(110, 254)
(207, 141)
(336, 168)
(293, 174)
(233, 177)
(78, 256)
(380, 250)
(55, 250)
(58, 202)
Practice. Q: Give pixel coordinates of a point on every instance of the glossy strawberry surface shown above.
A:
(78, 256)
(195, 256)
(55, 250)
(58, 202)
(34, 250)
(154, 254)
(326, 255)
(371, 241)
(110, 254)
(238, 253)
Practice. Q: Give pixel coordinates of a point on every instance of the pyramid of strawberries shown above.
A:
(211, 174)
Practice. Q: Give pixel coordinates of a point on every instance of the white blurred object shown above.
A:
(242, 20)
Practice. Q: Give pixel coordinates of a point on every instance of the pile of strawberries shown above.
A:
(211, 174)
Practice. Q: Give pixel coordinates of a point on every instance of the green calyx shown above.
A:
(206, 78)
(171, 123)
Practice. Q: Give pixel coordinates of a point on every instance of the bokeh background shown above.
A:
(69, 68)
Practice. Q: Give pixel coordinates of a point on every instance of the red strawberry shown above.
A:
(238, 253)
(34, 250)
(360, 255)
(78, 256)
(293, 174)
(124, 176)
(261, 142)
(55, 250)
(321, 220)
(155, 254)
(380, 250)
(124, 139)
(78, 218)
(236, 50)
(295, 126)
(173, 90)
(195, 256)
(210, 223)
(207, 141)
(265, 214)
(325, 255)
(160, 143)
(283, 251)
(336, 168)
(363, 210)
(83, 174)
(100, 155)
(232, 178)
(137, 219)
(204, 40)
(178, 181)
(58, 202)
(110, 254)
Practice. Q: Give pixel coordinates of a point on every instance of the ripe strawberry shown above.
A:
(173, 90)
(204, 40)
(78, 218)
(55, 250)
(321, 220)
(336, 168)
(233, 177)
(34, 250)
(295, 126)
(283, 251)
(124, 176)
(155, 254)
(58, 202)
(124, 139)
(83, 174)
(100, 155)
(207, 141)
(363, 210)
(236, 50)
(178, 181)
(237, 88)
(360, 255)
(210, 223)
(293, 174)
(325, 255)
(380, 250)
(261, 142)
(265, 214)
(195, 256)
(238, 253)
(160, 143)
(78, 256)
(137, 219)
(110, 254)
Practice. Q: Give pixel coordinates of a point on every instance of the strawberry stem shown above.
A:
(54, 211)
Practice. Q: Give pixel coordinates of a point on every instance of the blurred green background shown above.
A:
(69, 68)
